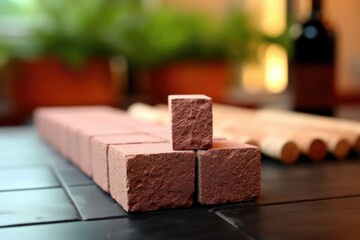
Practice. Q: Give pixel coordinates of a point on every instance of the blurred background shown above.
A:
(250, 53)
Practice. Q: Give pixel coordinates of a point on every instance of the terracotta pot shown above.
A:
(189, 77)
(49, 82)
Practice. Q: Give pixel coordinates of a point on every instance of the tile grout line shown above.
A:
(82, 185)
(37, 224)
(308, 200)
(69, 195)
(220, 208)
(29, 189)
(249, 234)
(226, 219)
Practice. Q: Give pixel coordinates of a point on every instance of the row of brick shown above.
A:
(135, 162)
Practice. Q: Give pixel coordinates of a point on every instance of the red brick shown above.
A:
(82, 141)
(191, 121)
(60, 124)
(61, 131)
(229, 172)
(162, 134)
(147, 177)
(99, 154)
(70, 139)
(146, 127)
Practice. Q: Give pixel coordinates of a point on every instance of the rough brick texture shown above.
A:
(229, 172)
(151, 176)
(191, 122)
(99, 154)
(83, 142)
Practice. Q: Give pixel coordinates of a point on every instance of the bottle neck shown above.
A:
(316, 9)
(316, 5)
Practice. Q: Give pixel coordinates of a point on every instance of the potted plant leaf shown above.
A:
(63, 59)
(176, 52)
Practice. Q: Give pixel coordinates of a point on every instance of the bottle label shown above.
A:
(314, 86)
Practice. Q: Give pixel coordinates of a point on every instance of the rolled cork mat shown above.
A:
(280, 148)
(243, 138)
(337, 142)
(277, 146)
(148, 113)
(347, 130)
(245, 122)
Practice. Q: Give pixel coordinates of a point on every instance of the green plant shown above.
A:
(74, 31)
(168, 34)
(71, 31)
(77, 30)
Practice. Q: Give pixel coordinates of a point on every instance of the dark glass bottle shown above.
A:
(313, 66)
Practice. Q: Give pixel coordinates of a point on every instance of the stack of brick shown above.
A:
(227, 171)
(145, 166)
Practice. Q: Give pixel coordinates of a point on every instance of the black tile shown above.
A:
(6, 132)
(308, 181)
(178, 224)
(70, 175)
(27, 178)
(35, 206)
(22, 162)
(19, 151)
(26, 158)
(21, 140)
(322, 219)
(93, 203)
(12, 136)
(20, 148)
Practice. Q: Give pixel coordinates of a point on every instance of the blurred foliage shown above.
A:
(168, 35)
(74, 30)
(77, 30)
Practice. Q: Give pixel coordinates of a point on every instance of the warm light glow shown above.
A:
(304, 9)
(275, 69)
(252, 78)
(151, 5)
(273, 17)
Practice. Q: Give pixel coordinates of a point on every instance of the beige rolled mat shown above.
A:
(279, 147)
(245, 121)
(308, 144)
(337, 142)
(348, 130)
(243, 138)
(148, 113)
(312, 143)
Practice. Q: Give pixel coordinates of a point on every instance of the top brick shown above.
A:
(191, 122)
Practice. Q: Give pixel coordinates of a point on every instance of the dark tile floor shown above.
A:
(42, 196)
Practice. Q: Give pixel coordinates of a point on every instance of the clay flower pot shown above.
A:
(189, 77)
(49, 82)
